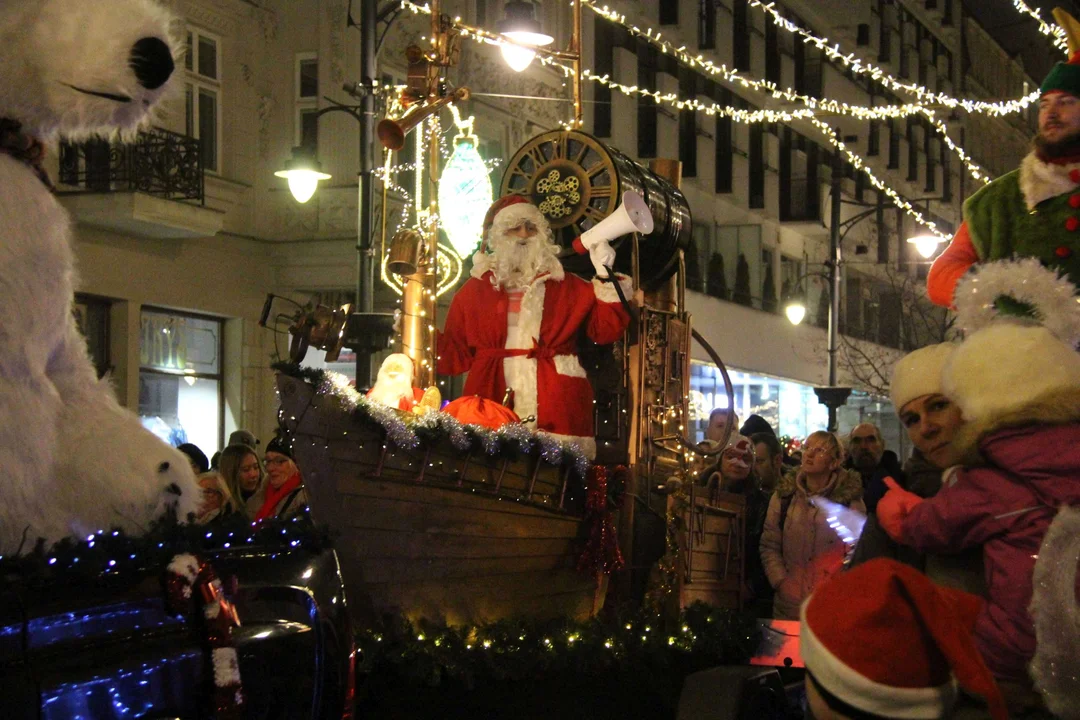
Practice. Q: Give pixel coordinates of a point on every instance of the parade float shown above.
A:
(446, 514)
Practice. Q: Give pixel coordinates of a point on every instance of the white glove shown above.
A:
(602, 254)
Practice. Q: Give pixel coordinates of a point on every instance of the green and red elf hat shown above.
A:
(1065, 76)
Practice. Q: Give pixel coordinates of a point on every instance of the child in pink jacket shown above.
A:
(1018, 388)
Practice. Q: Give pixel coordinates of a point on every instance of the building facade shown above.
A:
(181, 236)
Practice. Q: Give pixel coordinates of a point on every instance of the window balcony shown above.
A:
(151, 187)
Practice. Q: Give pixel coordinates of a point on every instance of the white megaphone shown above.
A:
(631, 216)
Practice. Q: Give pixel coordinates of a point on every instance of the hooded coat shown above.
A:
(1020, 468)
(805, 551)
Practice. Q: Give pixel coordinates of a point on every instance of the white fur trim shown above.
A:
(861, 692)
(1025, 279)
(211, 610)
(226, 667)
(586, 443)
(186, 566)
(1041, 181)
(569, 365)
(919, 373)
(605, 291)
(1057, 616)
(520, 372)
(1005, 367)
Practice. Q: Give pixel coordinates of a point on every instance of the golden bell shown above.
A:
(405, 253)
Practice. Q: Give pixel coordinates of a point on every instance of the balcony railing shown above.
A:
(160, 163)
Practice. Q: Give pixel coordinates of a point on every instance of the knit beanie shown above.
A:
(756, 424)
(197, 456)
(281, 446)
(919, 373)
(243, 437)
(884, 639)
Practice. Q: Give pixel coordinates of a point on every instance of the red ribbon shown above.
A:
(601, 553)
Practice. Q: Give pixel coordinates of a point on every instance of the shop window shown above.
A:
(180, 378)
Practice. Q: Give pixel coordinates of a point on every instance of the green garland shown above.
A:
(112, 556)
(522, 650)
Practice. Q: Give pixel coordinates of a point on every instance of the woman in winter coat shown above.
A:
(1018, 388)
(798, 547)
(243, 473)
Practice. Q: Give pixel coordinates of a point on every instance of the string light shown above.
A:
(1054, 31)
(897, 200)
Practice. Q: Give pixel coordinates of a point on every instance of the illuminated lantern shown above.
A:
(464, 196)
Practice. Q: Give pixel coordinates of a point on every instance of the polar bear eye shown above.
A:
(163, 467)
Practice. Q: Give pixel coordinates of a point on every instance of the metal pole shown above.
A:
(834, 278)
(365, 247)
(575, 48)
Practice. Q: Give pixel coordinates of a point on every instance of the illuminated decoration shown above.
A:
(897, 200)
(795, 311)
(1054, 31)
(927, 245)
(464, 191)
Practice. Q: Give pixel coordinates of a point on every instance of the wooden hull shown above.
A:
(425, 533)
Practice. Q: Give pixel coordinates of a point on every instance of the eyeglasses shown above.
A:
(812, 451)
(275, 461)
(207, 492)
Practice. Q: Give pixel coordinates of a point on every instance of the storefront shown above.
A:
(790, 407)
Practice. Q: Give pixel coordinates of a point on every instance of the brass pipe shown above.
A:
(575, 51)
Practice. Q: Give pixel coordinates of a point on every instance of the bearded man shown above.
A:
(394, 385)
(514, 324)
(1033, 211)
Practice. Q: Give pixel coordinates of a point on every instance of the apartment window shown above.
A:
(202, 91)
(307, 101)
(740, 27)
(706, 25)
(736, 253)
(180, 378)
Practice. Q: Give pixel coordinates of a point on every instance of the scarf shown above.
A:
(276, 495)
(24, 148)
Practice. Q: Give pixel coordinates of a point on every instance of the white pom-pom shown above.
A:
(226, 667)
(1026, 280)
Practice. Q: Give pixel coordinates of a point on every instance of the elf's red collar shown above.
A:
(24, 148)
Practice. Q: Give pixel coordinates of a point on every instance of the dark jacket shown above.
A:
(888, 466)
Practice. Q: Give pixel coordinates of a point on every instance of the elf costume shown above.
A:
(1033, 211)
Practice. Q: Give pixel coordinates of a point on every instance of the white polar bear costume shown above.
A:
(72, 460)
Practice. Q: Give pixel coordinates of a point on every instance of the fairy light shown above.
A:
(1055, 31)
(858, 164)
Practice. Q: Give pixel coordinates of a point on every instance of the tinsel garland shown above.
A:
(601, 553)
(409, 431)
(193, 589)
(523, 649)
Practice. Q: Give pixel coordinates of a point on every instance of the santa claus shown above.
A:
(514, 324)
(394, 385)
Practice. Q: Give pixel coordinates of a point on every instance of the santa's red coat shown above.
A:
(405, 404)
(538, 359)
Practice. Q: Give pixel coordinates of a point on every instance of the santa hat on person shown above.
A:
(884, 639)
(1065, 76)
(919, 373)
(505, 203)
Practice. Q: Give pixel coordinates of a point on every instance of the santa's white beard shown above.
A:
(516, 265)
(391, 391)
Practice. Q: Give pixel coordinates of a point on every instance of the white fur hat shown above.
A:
(919, 373)
(1005, 366)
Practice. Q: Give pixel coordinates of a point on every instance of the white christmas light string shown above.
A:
(1054, 31)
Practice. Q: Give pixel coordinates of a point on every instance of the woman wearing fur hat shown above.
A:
(1018, 388)
(798, 547)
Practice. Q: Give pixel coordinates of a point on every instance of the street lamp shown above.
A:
(795, 310)
(521, 26)
(926, 245)
(303, 173)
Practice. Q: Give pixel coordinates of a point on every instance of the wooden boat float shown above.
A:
(437, 532)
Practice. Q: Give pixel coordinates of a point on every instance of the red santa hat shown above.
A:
(494, 211)
(884, 639)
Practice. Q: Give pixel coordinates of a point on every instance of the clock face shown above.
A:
(570, 176)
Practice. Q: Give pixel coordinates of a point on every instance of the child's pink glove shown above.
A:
(894, 507)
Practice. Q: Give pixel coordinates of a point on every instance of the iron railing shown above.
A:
(159, 162)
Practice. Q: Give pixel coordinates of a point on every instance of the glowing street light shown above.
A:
(927, 245)
(521, 26)
(303, 173)
(795, 311)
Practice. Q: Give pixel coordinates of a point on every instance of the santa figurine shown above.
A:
(514, 323)
(394, 385)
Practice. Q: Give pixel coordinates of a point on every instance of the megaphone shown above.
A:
(631, 216)
(392, 132)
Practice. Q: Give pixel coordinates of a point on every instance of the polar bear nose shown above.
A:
(152, 62)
